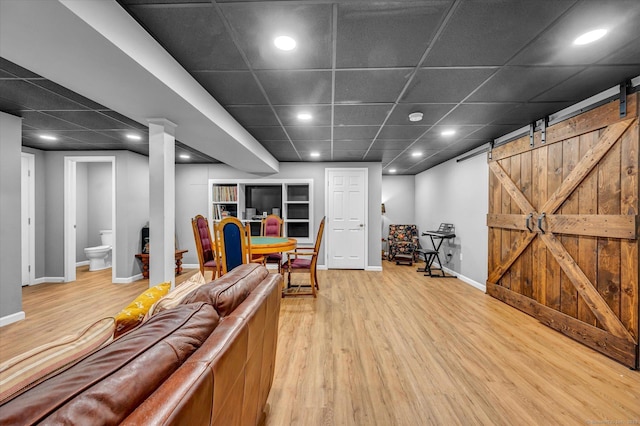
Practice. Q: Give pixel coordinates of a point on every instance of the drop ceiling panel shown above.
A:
(355, 132)
(354, 86)
(308, 146)
(402, 132)
(476, 113)
(432, 113)
(231, 87)
(629, 53)
(193, 34)
(257, 24)
(32, 96)
(528, 113)
(521, 84)
(476, 33)
(445, 85)
(555, 46)
(13, 70)
(360, 114)
(268, 133)
(89, 119)
(362, 145)
(392, 144)
(254, 115)
(383, 34)
(39, 120)
(309, 133)
(320, 115)
(296, 87)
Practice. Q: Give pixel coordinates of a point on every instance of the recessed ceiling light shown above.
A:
(134, 137)
(48, 137)
(284, 43)
(448, 133)
(590, 37)
(305, 116)
(185, 156)
(392, 170)
(415, 116)
(315, 154)
(416, 154)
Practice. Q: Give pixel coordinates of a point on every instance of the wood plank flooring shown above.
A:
(389, 348)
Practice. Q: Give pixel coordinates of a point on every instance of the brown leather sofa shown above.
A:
(208, 361)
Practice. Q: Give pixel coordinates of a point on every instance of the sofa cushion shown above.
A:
(175, 296)
(111, 382)
(135, 311)
(228, 291)
(36, 365)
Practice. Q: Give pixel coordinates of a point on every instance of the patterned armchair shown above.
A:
(403, 243)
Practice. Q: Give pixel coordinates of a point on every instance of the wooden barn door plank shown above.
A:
(608, 226)
(568, 292)
(505, 235)
(540, 160)
(526, 258)
(554, 185)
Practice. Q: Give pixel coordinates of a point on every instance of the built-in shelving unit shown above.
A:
(250, 200)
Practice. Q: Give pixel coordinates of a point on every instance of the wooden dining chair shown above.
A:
(205, 246)
(234, 241)
(303, 260)
(271, 226)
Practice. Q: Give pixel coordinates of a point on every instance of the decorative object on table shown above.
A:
(205, 246)
(299, 261)
(403, 243)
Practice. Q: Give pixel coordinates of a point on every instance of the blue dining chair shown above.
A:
(234, 240)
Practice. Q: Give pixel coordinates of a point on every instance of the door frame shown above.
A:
(70, 195)
(366, 212)
(31, 260)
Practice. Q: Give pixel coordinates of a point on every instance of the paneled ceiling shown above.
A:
(481, 68)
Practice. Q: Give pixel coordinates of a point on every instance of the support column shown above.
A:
(162, 209)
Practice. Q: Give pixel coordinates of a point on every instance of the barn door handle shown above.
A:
(540, 222)
(528, 222)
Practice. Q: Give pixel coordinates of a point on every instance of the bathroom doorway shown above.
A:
(71, 218)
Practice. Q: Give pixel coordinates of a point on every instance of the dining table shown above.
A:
(267, 245)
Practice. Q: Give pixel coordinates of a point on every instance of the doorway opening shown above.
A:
(70, 212)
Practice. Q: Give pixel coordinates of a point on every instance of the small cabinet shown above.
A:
(249, 200)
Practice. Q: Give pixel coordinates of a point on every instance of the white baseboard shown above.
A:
(127, 280)
(322, 267)
(83, 263)
(48, 280)
(467, 280)
(373, 268)
(10, 319)
(190, 266)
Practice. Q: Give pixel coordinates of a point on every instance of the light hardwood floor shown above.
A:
(393, 348)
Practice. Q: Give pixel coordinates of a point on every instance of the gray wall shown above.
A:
(398, 196)
(10, 215)
(457, 193)
(82, 210)
(192, 198)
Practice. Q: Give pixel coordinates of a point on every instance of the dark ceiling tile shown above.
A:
(42, 121)
(99, 137)
(10, 107)
(277, 145)
(492, 132)
(355, 86)
(289, 155)
(131, 2)
(373, 155)
(254, 115)
(193, 34)
(351, 145)
(527, 113)
(296, 87)
(385, 34)
(432, 113)
(392, 144)
(68, 94)
(625, 55)
(268, 133)
(521, 84)
(445, 85)
(555, 46)
(491, 32)
(15, 70)
(402, 132)
(480, 113)
(125, 120)
(347, 155)
(256, 25)
(320, 115)
(90, 119)
(231, 87)
(308, 146)
(592, 81)
(355, 132)
(309, 133)
(31, 96)
(352, 115)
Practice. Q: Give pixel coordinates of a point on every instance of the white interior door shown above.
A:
(346, 218)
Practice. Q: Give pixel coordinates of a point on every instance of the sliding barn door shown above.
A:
(563, 228)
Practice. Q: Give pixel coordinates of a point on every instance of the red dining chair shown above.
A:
(272, 227)
(205, 246)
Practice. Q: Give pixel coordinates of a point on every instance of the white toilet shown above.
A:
(100, 256)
